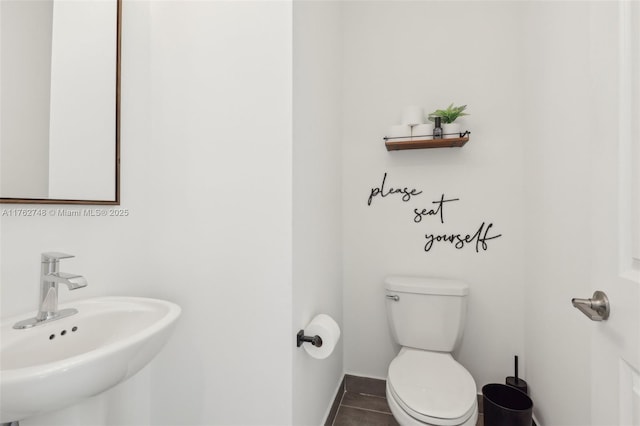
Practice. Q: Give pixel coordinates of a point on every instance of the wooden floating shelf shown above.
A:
(397, 145)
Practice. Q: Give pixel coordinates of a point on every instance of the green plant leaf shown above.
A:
(450, 114)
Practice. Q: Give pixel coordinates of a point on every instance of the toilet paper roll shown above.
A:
(399, 131)
(324, 326)
(412, 115)
(422, 131)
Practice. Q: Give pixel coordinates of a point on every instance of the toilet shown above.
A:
(425, 384)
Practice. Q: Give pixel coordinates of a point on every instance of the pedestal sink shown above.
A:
(54, 365)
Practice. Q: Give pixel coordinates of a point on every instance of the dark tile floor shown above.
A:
(363, 403)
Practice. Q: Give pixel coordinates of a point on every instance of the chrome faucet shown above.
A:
(50, 277)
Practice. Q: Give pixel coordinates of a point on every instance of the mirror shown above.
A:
(60, 101)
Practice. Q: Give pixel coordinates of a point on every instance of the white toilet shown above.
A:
(425, 385)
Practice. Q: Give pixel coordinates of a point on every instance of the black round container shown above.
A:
(506, 406)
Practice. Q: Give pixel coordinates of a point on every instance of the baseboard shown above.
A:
(332, 410)
(368, 376)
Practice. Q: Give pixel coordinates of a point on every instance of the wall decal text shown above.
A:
(439, 210)
(406, 192)
(459, 241)
(478, 239)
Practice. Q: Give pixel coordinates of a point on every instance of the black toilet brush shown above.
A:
(515, 381)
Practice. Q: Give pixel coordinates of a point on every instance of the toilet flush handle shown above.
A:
(393, 297)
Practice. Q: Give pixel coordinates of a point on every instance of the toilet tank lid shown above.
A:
(426, 285)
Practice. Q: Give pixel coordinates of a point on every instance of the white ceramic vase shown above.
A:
(452, 130)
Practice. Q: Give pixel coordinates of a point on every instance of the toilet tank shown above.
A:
(426, 313)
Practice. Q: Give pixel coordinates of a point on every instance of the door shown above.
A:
(615, 227)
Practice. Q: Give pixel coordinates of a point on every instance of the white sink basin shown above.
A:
(55, 365)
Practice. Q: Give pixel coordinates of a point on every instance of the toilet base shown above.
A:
(405, 419)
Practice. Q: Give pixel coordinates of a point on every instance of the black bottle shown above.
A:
(437, 131)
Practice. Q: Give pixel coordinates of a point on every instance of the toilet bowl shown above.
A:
(431, 388)
(425, 384)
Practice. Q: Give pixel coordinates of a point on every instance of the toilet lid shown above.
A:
(432, 385)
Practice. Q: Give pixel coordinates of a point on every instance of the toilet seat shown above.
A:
(432, 387)
(404, 419)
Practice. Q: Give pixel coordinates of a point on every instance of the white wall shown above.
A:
(432, 54)
(221, 73)
(206, 178)
(317, 215)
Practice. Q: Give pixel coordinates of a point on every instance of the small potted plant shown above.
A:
(451, 128)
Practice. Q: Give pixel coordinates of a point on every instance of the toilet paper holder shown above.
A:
(314, 340)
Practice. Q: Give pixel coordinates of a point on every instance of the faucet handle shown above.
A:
(54, 256)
